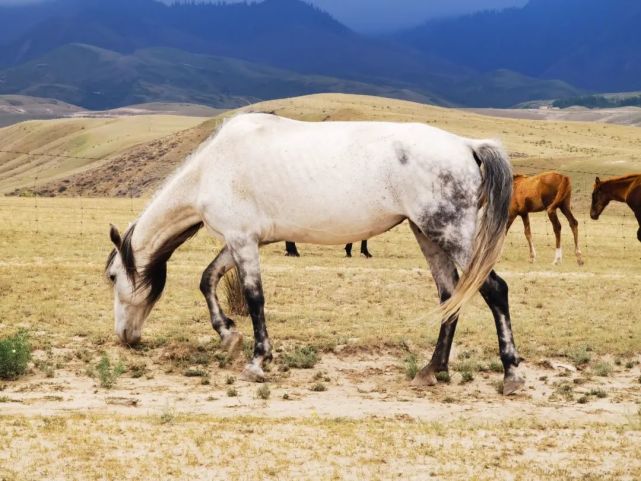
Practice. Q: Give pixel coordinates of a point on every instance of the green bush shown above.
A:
(301, 358)
(15, 353)
(108, 374)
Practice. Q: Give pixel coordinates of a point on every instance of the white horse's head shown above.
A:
(133, 297)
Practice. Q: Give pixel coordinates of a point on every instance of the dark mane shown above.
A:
(154, 274)
(126, 254)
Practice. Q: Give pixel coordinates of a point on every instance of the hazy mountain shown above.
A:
(94, 78)
(593, 44)
(285, 34)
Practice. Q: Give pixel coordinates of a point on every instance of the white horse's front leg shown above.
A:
(245, 254)
(231, 339)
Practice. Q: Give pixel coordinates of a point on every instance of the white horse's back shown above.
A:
(358, 178)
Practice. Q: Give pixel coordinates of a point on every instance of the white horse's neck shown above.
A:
(171, 212)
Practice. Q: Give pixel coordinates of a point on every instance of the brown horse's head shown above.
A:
(600, 199)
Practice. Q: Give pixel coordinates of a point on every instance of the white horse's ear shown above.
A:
(115, 236)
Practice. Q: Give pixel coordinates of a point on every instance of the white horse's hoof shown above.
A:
(233, 343)
(512, 384)
(424, 378)
(253, 373)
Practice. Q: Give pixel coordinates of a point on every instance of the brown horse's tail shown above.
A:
(495, 195)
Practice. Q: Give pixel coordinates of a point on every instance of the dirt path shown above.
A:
(357, 386)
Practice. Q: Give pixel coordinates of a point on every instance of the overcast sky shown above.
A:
(385, 15)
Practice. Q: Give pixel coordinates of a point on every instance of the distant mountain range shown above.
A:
(107, 53)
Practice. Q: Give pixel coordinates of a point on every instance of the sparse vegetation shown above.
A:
(580, 356)
(443, 376)
(15, 353)
(467, 376)
(263, 392)
(411, 365)
(304, 357)
(318, 387)
(107, 373)
(232, 392)
(602, 369)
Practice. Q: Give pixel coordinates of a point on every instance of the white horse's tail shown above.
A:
(495, 196)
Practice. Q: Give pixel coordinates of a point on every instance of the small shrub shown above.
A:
(191, 372)
(411, 366)
(629, 364)
(600, 393)
(443, 376)
(137, 369)
(580, 356)
(234, 294)
(108, 374)
(263, 392)
(319, 387)
(15, 353)
(167, 417)
(286, 397)
(304, 357)
(231, 392)
(583, 400)
(230, 380)
(498, 385)
(468, 376)
(602, 369)
(496, 366)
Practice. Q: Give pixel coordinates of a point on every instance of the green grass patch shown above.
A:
(107, 372)
(304, 357)
(411, 366)
(15, 354)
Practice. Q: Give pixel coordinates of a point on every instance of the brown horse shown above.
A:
(626, 189)
(548, 192)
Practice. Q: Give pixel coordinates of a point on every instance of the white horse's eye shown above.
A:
(112, 278)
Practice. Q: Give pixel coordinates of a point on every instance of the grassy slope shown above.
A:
(535, 145)
(86, 143)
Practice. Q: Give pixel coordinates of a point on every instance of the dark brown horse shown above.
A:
(626, 189)
(292, 251)
(548, 192)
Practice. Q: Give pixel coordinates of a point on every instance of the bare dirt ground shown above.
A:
(358, 385)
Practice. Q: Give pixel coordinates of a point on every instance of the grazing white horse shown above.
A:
(263, 179)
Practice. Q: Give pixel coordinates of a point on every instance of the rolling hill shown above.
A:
(35, 152)
(533, 145)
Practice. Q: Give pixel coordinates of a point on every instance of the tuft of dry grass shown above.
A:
(233, 293)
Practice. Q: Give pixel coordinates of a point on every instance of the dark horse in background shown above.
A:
(626, 188)
(292, 251)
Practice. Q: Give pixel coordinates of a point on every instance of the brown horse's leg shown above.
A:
(528, 236)
(556, 225)
(574, 225)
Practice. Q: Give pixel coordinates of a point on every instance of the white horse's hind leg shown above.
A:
(245, 254)
(225, 327)
(445, 275)
(495, 293)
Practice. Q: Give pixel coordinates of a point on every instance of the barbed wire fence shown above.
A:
(44, 216)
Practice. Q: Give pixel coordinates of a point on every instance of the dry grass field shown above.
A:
(175, 408)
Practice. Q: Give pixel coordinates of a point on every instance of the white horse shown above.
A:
(263, 179)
